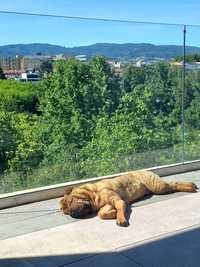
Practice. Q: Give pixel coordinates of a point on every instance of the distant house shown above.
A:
(33, 62)
(82, 58)
(114, 64)
(13, 74)
(189, 66)
(140, 63)
(30, 77)
(11, 63)
(60, 57)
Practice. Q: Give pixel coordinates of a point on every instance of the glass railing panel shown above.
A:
(85, 98)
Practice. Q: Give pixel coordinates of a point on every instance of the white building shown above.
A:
(140, 63)
(82, 58)
(115, 64)
(30, 77)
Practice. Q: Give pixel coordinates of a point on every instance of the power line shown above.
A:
(95, 18)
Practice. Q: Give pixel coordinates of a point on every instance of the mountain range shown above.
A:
(110, 50)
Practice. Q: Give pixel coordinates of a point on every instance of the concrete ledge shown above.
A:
(55, 191)
(166, 170)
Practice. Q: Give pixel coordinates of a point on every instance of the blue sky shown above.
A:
(26, 29)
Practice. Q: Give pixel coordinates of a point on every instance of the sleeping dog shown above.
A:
(110, 197)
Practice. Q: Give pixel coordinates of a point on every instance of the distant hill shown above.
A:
(111, 50)
(30, 49)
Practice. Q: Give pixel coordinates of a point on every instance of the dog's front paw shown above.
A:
(122, 222)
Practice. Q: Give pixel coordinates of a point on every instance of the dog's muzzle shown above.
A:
(80, 211)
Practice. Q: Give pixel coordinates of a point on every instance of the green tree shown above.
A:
(17, 96)
(140, 124)
(62, 104)
(74, 95)
(2, 75)
(20, 143)
(8, 139)
(192, 113)
(106, 91)
(132, 77)
(189, 58)
(46, 67)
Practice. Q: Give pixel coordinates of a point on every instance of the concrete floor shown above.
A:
(163, 231)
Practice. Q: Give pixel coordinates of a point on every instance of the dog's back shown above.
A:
(130, 186)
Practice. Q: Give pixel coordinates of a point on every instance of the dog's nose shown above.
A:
(74, 214)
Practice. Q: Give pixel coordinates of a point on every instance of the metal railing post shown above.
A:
(183, 94)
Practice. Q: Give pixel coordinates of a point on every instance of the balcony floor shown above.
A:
(163, 231)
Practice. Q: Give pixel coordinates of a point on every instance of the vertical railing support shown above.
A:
(183, 95)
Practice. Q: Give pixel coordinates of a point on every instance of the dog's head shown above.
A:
(76, 205)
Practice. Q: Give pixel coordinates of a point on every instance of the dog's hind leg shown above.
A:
(158, 186)
(183, 187)
(107, 212)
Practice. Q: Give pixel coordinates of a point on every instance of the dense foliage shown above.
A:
(18, 97)
(83, 120)
(189, 58)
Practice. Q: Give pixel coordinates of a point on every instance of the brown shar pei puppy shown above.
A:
(110, 197)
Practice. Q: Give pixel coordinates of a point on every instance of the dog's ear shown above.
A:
(61, 202)
(68, 190)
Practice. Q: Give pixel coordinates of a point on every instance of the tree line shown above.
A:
(189, 58)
